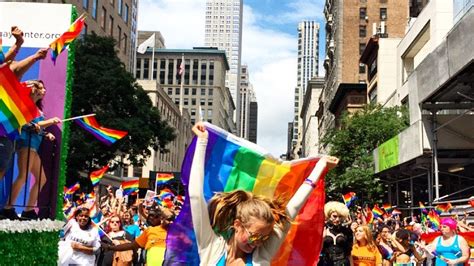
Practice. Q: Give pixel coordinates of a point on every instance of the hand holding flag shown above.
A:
(58, 45)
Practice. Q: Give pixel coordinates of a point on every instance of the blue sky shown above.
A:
(269, 48)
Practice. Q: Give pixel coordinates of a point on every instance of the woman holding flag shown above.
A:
(256, 225)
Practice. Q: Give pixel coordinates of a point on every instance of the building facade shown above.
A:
(310, 136)
(349, 25)
(223, 29)
(115, 18)
(247, 109)
(308, 58)
(200, 89)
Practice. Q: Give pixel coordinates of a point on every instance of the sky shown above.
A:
(269, 48)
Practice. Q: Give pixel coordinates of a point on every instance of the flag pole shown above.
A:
(182, 86)
(153, 58)
(77, 117)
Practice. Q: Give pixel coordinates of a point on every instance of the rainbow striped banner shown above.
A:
(163, 178)
(105, 135)
(130, 187)
(16, 106)
(58, 45)
(98, 174)
(233, 163)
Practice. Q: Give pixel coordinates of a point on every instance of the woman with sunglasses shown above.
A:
(364, 251)
(384, 244)
(153, 239)
(254, 226)
(114, 230)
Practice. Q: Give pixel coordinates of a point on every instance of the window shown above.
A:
(193, 111)
(186, 101)
(111, 26)
(119, 30)
(193, 91)
(119, 7)
(177, 91)
(361, 48)
(193, 101)
(361, 68)
(383, 13)
(170, 91)
(209, 102)
(209, 113)
(84, 30)
(94, 9)
(362, 12)
(362, 31)
(85, 4)
(203, 91)
(211, 91)
(125, 13)
(103, 17)
(125, 43)
(186, 91)
(138, 68)
(202, 102)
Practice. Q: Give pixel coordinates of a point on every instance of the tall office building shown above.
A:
(114, 18)
(308, 57)
(248, 107)
(224, 30)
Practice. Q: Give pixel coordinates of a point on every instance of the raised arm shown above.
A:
(201, 221)
(299, 199)
(20, 67)
(18, 35)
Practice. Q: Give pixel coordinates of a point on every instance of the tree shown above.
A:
(103, 86)
(353, 143)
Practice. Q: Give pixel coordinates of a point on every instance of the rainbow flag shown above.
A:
(446, 207)
(396, 212)
(95, 176)
(369, 217)
(16, 106)
(130, 187)
(167, 203)
(71, 189)
(163, 178)
(377, 211)
(165, 193)
(422, 207)
(433, 217)
(58, 45)
(349, 198)
(105, 135)
(387, 207)
(386, 252)
(232, 163)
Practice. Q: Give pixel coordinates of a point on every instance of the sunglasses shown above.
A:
(253, 238)
(114, 222)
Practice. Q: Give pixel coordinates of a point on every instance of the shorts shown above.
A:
(6, 152)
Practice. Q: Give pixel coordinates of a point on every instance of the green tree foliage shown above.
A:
(353, 143)
(103, 86)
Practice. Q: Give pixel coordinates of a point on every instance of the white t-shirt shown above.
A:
(73, 233)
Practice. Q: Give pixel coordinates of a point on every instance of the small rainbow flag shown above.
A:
(422, 207)
(163, 178)
(165, 193)
(396, 212)
(387, 207)
(446, 207)
(377, 211)
(349, 198)
(130, 187)
(105, 135)
(167, 203)
(369, 216)
(95, 176)
(232, 163)
(72, 189)
(16, 106)
(58, 45)
(433, 217)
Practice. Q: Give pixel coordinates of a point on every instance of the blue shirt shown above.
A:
(133, 230)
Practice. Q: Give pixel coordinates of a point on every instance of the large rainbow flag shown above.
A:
(58, 45)
(16, 106)
(130, 187)
(233, 163)
(97, 175)
(105, 135)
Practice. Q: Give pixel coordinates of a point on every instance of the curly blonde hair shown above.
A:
(335, 206)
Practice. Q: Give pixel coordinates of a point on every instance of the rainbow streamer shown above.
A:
(105, 135)
(98, 174)
(232, 163)
(349, 198)
(162, 178)
(130, 187)
(58, 45)
(377, 211)
(446, 207)
(16, 106)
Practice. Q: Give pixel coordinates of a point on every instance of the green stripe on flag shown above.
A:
(12, 120)
(244, 173)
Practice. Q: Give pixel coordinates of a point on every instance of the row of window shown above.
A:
(177, 91)
(382, 13)
(122, 9)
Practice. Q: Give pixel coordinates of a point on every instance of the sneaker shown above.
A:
(10, 214)
(30, 215)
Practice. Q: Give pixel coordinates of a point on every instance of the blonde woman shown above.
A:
(365, 251)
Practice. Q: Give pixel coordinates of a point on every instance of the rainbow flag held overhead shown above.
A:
(396, 212)
(433, 217)
(445, 207)
(58, 45)
(422, 207)
(105, 135)
(387, 207)
(369, 216)
(232, 163)
(163, 178)
(130, 187)
(377, 211)
(71, 189)
(16, 106)
(95, 176)
(165, 193)
(349, 198)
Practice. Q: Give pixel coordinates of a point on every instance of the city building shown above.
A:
(432, 160)
(348, 24)
(115, 18)
(310, 136)
(171, 160)
(308, 58)
(223, 29)
(202, 91)
(289, 154)
(248, 99)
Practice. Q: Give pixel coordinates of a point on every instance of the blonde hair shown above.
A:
(369, 237)
(335, 206)
(225, 207)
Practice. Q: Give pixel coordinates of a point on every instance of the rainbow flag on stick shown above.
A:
(232, 163)
(433, 217)
(377, 211)
(387, 207)
(369, 216)
(105, 135)
(446, 207)
(16, 106)
(130, 187)
(71, 189)
(349, 198)
(98, 174)
(58, 45)
(163, 178)
(422, 207)
(396, 212)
